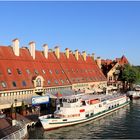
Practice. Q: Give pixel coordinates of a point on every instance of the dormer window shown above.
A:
(38, 82)
(28, 71)
(36, 72)
(49, 82)
(4, 85)
(19, 71)
(9, 71)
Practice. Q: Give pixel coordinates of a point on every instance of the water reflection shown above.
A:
(123, 123)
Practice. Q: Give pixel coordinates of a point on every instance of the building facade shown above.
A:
(112, 69)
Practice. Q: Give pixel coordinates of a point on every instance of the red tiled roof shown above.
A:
(74, 71)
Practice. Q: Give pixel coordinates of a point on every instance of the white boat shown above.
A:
(134, 94)
(77, 109)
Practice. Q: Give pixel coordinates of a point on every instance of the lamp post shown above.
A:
(15, 108)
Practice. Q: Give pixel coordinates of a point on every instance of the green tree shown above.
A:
(130, 76)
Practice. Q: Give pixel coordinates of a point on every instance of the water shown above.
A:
(123, 123)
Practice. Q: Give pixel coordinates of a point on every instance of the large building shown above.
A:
(26, 72)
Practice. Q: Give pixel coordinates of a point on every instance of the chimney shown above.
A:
(84, 55)
(76, 54)
(99, 62)
(57, 52)
(93, 56)
(15, 46)
(45, 46)
(32, 49)
(67, 53)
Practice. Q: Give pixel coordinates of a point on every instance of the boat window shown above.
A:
(83, 103)
(64, 119)
(87, 115)
(91, 114)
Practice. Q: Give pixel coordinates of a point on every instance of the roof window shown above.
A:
(50, 71)
(57, 72)
(14, 84)
(28, 71)
(9, 71)
(49, 82)
(36, 72)
(43, 71)
(4, 85)
(55, 81)
(23, 83)
(19, 71)
(62, 81)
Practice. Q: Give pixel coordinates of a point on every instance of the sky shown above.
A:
(107, 29)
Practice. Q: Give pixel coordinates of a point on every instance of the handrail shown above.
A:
(17, 134)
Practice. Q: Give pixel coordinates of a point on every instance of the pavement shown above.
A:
(6, 127)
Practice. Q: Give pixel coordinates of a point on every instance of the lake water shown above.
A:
(123, 123)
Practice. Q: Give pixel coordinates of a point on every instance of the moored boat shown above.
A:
(134, 94)
(77, 109)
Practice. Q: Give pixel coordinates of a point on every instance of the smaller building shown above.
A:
(112, 69)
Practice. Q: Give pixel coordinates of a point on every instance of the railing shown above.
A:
(19, 134)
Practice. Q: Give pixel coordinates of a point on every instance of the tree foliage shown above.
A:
(130, 75)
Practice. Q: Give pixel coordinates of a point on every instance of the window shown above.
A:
(36, 72)
(14, 84)
(38, 82)
(55, 81)
(57, 72)
(49, 82)
(19, 71)
(4, 85)
(24, 83)
(43, 71)
(67, 80)
(9, 71)
(62, 81)
(50, 71)
(28, 71)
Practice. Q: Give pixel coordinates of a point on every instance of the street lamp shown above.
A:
(15, 108)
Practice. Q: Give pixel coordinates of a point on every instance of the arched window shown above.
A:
(38, 82)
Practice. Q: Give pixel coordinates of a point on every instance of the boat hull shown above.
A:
(51, 126)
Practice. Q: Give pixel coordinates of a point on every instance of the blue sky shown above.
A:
(108, 29)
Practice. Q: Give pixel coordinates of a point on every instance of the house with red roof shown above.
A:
(112, 69)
